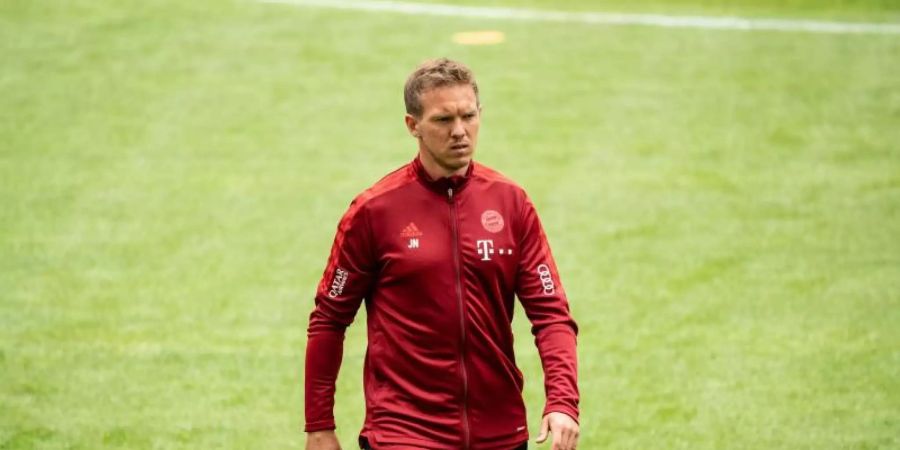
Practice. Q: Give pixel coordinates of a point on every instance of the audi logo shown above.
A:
(543, 271)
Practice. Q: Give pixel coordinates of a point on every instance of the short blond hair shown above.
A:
(435, 73)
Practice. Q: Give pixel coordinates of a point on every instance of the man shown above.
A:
(438, 249)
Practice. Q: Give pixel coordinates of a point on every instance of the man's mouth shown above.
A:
(459, 146)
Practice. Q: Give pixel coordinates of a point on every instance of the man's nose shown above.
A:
(458, 130)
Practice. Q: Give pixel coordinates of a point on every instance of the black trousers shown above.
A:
(364, 445)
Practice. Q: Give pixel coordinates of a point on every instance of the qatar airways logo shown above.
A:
(546, 276)
(337, 285)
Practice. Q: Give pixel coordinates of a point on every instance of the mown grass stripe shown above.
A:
(605, 18)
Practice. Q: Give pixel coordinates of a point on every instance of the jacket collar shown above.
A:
(441, 185)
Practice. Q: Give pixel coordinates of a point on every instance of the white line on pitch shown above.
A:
(605, 18)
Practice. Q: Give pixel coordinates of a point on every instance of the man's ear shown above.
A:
(412, 125)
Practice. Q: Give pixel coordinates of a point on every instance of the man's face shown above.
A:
(448, 129)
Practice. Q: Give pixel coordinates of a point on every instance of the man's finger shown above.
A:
(575, 435)
(558, 441)
(545, 425)
(569, 439)
(562, 436)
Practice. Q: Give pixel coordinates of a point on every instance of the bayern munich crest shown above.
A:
(492, 221)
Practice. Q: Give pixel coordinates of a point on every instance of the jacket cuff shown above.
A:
(319, 425)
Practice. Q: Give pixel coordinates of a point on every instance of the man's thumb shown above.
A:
(545, 427)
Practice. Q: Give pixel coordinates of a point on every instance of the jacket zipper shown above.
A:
(454, 223)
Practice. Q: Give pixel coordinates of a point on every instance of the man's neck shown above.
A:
(436, 171)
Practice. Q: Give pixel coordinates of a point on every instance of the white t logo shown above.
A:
(485, 249)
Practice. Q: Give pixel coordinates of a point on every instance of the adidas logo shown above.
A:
(411, 231)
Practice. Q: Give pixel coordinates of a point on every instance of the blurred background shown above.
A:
(723, 204)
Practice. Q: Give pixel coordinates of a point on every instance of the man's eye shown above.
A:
(443, 119)
(468, 116)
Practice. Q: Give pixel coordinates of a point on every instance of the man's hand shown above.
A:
(563, 428)
(322, 440)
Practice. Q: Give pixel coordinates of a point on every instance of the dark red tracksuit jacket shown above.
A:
(439, 264)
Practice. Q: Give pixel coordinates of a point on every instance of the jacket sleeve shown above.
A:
(348, 276)
(539, 289)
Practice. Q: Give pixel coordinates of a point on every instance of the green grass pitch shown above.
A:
(724, 207)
